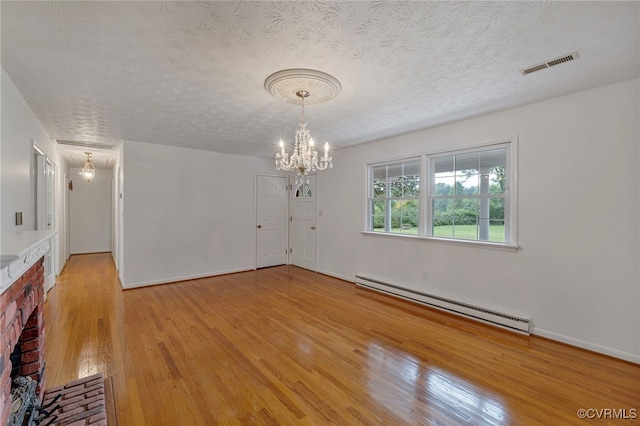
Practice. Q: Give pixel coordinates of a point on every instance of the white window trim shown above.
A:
(511, 232)
(368, 190)
(449, 241)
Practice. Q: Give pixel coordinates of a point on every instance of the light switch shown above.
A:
(18, 218)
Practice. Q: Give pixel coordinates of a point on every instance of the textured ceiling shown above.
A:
(192, 73)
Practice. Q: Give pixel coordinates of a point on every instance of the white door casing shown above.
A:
(271, 217)
(46, 212)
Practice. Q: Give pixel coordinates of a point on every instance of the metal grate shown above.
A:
(550, 63)
(85, 144)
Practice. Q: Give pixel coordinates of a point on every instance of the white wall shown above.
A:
(90, 212)
(576, 273)
(187, 213)
(20, 130)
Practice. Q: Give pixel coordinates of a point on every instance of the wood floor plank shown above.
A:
(285, 346)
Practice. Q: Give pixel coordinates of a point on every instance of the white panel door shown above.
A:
(272, 227)
(303, 224)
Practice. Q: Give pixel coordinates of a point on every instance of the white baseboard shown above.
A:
(338, 276)
(184, 278)
(627, 356)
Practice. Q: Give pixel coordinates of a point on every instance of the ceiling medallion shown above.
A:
(296, 85)
(286, 84)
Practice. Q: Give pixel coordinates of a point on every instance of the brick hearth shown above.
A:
(82, 402)
(22, 327)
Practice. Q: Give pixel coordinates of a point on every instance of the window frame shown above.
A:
(424, 197)
(370, 195)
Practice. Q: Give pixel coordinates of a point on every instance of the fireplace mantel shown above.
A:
(19, 251)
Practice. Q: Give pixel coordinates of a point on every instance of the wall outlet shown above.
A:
(425, 275)
(205, 257)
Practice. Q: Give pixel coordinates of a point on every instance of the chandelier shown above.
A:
(88, 172)
(304, 157)
(294, 86)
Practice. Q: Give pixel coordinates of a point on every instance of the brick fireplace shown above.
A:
(22, 327)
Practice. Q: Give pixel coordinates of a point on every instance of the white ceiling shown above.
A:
(191, 74)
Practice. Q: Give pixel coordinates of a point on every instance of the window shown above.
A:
(466, 195)
(393, 201)
(303, 191)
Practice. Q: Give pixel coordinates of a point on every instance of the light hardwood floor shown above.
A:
(286, 346)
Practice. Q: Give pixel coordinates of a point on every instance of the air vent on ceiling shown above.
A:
(85, 144)
(550, 63)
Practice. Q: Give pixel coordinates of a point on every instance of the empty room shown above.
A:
(319, 212)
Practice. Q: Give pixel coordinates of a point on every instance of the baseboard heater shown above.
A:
(510, 322)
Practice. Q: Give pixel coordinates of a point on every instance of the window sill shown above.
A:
(450, 241)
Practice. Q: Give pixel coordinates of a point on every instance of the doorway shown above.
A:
(44, 175)
(90, 213)
(286, 221)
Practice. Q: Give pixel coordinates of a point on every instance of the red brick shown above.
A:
(35, 320)
(74, 391)
(28, 357)
(19, 298)
(31, 334)
(97, 398)
(5, 377)
(10, 311)
(64, 414)
(28, 369)
(92, 393)
(72, 406)
(95, 404)
(16, 329)
(81, 422)
(96, 417)
(30, 345)
(5, 299)
(71, 399)
(16, 287)
(83, 380)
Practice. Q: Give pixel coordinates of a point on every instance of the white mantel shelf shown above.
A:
(19, 251)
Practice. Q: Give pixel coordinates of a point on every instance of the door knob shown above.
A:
(313, 227)
(259, 226)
